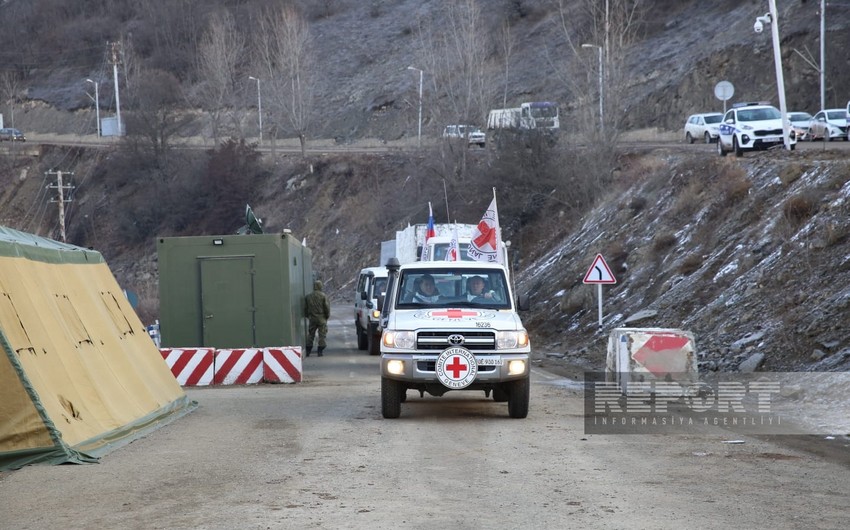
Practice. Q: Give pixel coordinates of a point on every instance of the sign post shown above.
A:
(599, 273)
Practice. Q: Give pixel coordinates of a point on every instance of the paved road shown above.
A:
(318, 455)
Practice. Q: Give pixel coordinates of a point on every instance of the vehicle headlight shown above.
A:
(405, 340)
(506, 340)
(376, 313)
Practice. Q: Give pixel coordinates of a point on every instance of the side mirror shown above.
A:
(523, 303)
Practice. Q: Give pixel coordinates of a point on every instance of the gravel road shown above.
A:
(318, 455)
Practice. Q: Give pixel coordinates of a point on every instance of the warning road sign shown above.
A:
(599, 273)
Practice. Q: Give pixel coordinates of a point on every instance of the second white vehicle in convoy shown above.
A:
(703, 127)
(752, 127)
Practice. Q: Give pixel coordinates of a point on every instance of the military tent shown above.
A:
(79, 375)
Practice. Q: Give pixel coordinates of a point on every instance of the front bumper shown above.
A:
(420, 368)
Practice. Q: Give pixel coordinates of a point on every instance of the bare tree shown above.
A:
(613, 26)
(9, 85)
(284, 50)
(220, 52)
(507, 46)
(156, 114)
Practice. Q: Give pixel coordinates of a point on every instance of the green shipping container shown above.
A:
(235, 291)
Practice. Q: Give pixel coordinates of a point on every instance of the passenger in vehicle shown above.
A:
(427, 291)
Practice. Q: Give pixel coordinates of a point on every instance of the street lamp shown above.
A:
(772, 19)
(601, 96)
(96, 105)
(259, 106)
(419, 135)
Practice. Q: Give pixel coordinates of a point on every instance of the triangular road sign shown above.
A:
(599, 272)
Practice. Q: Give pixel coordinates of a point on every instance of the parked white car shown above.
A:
(800, 122)
(752, 127)
(471, 133)
(704, 127)
(829, 124)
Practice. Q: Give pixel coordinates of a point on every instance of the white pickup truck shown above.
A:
(465, 335)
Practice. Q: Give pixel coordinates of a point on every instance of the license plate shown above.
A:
(489, 361)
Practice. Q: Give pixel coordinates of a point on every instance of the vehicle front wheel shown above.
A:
(374, 343)
(518, 394)
(707, 138)
(391, 391)
(737, 148)
(362, 339)
(689, 138)
(720, 150)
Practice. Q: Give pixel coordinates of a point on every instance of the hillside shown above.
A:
(750, 254)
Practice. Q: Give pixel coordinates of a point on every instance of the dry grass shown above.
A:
(690, 264)
(663, 242)
(790, 173)
(800, 207)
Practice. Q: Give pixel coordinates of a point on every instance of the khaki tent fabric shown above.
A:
(79, 374)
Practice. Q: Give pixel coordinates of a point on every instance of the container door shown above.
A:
(227, 302)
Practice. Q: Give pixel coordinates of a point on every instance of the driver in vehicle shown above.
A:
(475, 289)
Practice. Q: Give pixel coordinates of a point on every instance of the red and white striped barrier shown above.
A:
(190, 366)
(208, 366)
(238, 367)
(282, 365)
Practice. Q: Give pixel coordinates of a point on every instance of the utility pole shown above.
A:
(60, 187)
(116, 59)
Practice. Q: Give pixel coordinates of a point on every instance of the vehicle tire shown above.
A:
(689, 138)
(793, 146)
(827, 136)
(518, 394)
(374, 344)
(403, 396)
(500, 395)
(391, 391)
(362, 339)
(707, 138)
(720, 150)
(735, 147)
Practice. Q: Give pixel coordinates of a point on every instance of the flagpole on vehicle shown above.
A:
(446, 195)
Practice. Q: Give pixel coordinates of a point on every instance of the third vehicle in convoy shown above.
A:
(751, 127)
(829, 124)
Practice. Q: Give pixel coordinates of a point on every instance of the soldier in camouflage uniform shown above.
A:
(318, 310)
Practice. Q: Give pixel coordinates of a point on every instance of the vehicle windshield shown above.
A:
(762, 114)
(453, 288)
(548, 111)
(713, 119)
(836, 115)
(440, 250)
(799, 117)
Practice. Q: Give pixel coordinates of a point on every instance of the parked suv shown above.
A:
(472, 134)
(703, 127)
(9, 134)
(371, 286)
(751, 127)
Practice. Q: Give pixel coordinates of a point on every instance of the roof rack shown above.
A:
(749, 104)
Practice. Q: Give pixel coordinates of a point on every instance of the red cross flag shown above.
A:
(486, 237)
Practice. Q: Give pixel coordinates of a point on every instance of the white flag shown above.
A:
(453, 254)
(486, 237)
